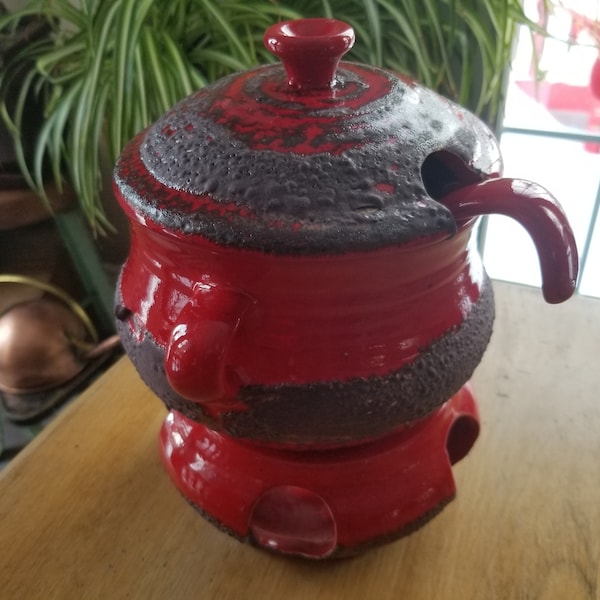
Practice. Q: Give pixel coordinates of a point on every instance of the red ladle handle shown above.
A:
(310, 50)
(539, 213)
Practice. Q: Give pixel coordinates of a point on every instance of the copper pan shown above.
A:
(46, 342)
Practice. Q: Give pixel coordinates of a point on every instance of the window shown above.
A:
(551, 135)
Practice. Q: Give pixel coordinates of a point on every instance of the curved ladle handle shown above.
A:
(539, 213)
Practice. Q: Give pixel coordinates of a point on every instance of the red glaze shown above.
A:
(320, 504)
(292, 229)
(251, 163)
(291, 319)
(197, 349)
(279, 125)
(310, 50)
(541, 215)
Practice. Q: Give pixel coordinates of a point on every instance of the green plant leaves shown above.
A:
(129, 22)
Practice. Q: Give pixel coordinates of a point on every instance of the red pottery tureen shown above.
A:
(304, 294)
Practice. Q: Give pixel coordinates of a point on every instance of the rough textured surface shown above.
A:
(245, 164)
(337, 412)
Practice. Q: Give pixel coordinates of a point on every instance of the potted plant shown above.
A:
(18, 204)
(108, 69)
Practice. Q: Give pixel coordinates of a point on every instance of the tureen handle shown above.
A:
(310, 50)
(196, 356)
(536, 209)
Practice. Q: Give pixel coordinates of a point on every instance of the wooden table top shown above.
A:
(86, 510)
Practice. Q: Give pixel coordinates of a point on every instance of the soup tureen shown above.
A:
(304, 293)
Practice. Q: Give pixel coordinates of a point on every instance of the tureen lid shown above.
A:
(312, 156)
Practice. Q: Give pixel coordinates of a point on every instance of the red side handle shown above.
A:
(539, 213)
(196, 357)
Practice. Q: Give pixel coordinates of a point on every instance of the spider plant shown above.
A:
(109, 68)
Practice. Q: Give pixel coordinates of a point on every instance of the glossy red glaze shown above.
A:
(291, 319)
(251, 163)
(294, 231)
(539, 213)
(200, 340)
(322, 503)
(279, 125)
(310, 50)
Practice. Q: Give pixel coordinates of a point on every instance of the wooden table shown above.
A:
(86, 510)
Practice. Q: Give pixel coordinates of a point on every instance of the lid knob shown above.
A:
(310, 50)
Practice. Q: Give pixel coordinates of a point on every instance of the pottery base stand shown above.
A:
(322, 503)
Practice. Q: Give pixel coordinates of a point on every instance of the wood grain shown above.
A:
(86, 511)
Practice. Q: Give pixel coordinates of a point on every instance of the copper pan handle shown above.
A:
(55, 291)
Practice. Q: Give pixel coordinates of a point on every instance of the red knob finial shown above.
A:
(310, 50)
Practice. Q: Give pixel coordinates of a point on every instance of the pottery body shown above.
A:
(309, 350)
(303, 277)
